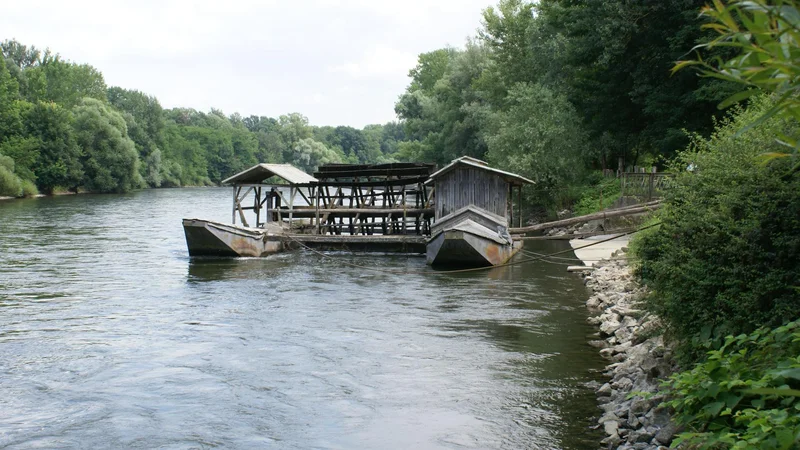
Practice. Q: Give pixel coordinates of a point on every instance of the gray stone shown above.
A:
(612, 441)
(666, 433)
(604, 389)
(611, 427)
(608, 417)
(623, 384)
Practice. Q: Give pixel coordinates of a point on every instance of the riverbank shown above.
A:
(628, 337)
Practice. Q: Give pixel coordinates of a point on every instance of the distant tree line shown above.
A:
(62, 128)
(553, 90)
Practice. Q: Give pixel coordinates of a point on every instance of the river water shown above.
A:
(112, 337)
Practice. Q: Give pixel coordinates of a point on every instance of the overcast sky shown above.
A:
(339, 62)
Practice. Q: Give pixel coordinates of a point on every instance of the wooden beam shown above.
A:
(639, 209)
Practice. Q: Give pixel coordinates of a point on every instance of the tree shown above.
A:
(539, 137)
(309, 154)
(110, 160)
(68, 83)
(617, 55)
(145, 121)
(58, 162)
(445, 120)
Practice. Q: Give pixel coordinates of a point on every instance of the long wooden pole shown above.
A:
(638, 209)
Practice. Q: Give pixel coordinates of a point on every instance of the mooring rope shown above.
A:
(474, 269)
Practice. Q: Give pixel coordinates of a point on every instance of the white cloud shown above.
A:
(378, 61)
(336, 61)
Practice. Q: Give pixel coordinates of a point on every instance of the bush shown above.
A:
(744, 396)
(29, 189)
(726, 259)
(601, 193)
(10, 184)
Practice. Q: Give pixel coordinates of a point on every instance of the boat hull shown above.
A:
(456, 248)
(208, 238)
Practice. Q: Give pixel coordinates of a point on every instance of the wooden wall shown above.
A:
(464, 186)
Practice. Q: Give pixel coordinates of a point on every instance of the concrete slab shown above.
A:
(591, 255)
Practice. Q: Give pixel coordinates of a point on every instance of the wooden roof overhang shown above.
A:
(467, 161)
(261, 172)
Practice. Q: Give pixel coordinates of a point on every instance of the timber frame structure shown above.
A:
(340, 199)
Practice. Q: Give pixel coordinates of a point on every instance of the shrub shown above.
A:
(744, 395)
(600, 194)
(10, 184)
(726, 259)
(29, 189)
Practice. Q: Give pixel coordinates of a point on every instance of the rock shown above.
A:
(612, 441)
(609, 327)
(666, 433)
(639, 362)
(638, 436)
(623, 384)
(598, 344)
(608, 417)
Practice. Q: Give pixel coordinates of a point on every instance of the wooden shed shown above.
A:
(468, 181)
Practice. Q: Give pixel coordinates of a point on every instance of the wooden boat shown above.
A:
(473, 212)
(376, 208)
(471, 237)
(209, 238)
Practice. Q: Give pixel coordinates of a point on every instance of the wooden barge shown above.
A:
(458, 215)
(381, 207)
(473, 213)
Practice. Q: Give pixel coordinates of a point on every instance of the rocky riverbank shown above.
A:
(639, 360)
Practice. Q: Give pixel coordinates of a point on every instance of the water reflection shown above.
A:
(112, 337)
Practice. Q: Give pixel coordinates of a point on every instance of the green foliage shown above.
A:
(309, 154)
(110, 161)
(538, 137)
(728, 252)
(766, 38)
(444, 119)
(744, 395)
(29, 188)
(613, 58)
(10, 184)
(24, 151)
(600, 193)
(57, 162)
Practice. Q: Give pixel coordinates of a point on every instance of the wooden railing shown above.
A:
(644, 186)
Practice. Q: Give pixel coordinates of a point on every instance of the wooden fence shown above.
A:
(645, 186)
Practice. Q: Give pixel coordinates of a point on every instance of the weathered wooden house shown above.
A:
(473, 210)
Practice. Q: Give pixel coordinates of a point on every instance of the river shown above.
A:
(112, 337)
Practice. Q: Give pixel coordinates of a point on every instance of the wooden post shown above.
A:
(257, 205)
(233, 211)
(291, 205)
(319, 229)
(519, 200)
(510, 204)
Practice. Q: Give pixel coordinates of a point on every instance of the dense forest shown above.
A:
(552, 90)
(62, 128)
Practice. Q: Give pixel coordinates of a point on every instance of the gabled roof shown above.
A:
(510, 178)
(261, 172)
